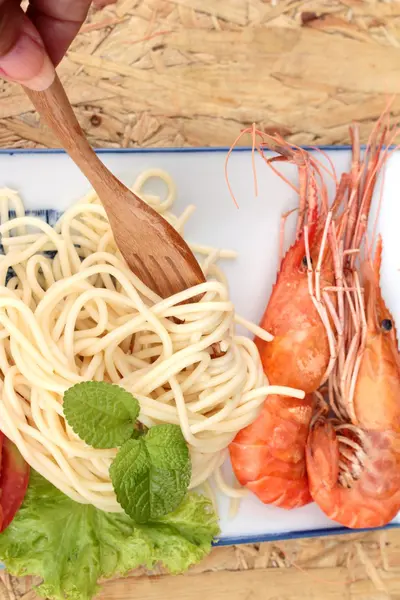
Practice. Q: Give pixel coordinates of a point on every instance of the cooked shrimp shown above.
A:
(306, 321)
(268, 456)
(353, 461)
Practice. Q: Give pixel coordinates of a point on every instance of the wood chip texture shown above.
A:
(194, 73)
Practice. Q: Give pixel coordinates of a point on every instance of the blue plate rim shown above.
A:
(163, 150)
(228, 540)
(301, 534)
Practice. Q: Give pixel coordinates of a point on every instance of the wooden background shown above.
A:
(194, 72)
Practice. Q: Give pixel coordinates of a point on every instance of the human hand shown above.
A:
(32, 43)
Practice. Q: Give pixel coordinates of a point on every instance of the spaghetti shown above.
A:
(72, 311)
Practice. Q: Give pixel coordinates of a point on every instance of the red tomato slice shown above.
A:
(2, 436)
(14, 479)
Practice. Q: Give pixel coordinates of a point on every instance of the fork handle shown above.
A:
(55, 109)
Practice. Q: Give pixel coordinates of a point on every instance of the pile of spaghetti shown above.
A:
(71, 311)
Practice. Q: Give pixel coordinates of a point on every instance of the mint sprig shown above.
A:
(151, 474)
(102, 414)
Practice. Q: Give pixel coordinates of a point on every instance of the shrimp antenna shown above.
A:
(254, 133)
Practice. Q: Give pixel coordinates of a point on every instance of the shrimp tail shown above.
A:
(268, 456)
(282, 492)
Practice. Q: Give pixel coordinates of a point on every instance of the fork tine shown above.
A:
(166, 280)
(178, 274)
(145, 274)
(174, 279)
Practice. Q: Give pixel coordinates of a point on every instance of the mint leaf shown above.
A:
(71, 546)
(102, 414)
(151, 474)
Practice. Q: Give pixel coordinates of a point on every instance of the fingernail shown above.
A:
(28, 63)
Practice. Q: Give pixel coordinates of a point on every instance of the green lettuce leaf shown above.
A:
(71, 546)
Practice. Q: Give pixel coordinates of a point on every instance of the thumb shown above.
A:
(23, 57)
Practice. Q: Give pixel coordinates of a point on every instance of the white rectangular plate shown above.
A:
(49, 180)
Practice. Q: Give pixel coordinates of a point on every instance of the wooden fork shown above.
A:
(154, 251)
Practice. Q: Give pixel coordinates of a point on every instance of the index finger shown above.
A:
(10, 18)
(58, 23)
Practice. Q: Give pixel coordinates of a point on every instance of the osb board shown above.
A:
(195, 72)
